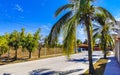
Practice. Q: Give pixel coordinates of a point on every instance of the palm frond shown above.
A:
(69, 39)
(100, 18)
(55, 31)
(59, 10)
(107, 13)
(96, 30)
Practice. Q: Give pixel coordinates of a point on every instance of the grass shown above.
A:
(108, 53)
(99, 67)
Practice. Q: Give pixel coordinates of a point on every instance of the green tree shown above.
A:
(102, 31)
(46, 44)
(37, 41)
(79, 42)
(15, 41)
(23, 39)
(7, 37)
(80, 12)
(29, 44)
(3, 45)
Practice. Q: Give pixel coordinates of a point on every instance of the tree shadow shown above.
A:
(6, 60)
(94, 55)
(99, 68)
(79, 60)
(1, 64)
(51, 72)
(84, 60)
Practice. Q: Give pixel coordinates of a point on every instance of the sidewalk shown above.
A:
(112, 67)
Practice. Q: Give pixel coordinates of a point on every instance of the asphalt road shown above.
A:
(52, 66)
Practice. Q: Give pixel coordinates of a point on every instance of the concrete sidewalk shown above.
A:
(112, 67)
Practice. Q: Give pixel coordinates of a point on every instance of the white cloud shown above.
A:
(80, 32)
(117, 18)
(18, 8)
(46, 27)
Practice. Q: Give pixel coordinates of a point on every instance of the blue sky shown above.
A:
(34, 14)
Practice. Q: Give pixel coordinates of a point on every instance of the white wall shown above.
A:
(117, 48)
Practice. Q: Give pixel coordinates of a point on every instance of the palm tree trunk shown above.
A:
(104, 44)
(104, 49)
(89, 35)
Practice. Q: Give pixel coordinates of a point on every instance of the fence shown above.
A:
(44, 52)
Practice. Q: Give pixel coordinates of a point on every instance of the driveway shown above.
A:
(52, 66)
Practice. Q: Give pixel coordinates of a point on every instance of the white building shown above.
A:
(117, 42)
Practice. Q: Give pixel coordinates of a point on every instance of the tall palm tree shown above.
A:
(104, 29)
(85, 13)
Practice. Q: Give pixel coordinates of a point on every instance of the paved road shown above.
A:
(51, 66)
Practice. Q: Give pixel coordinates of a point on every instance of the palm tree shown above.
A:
(85, 14)
(104, 29)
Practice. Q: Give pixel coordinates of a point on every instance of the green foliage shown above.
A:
(79, 41)
(23, 39)
(3, 45)
(17, 39)
(46, 41)
(32, 41)
(104, 28)
(37, 38)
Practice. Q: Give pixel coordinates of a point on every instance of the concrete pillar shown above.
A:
(119, 45)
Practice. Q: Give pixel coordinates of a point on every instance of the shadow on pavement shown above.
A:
(99, 67)
(82, 60)
(6, 60)
(50, 72)
(79, 60)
